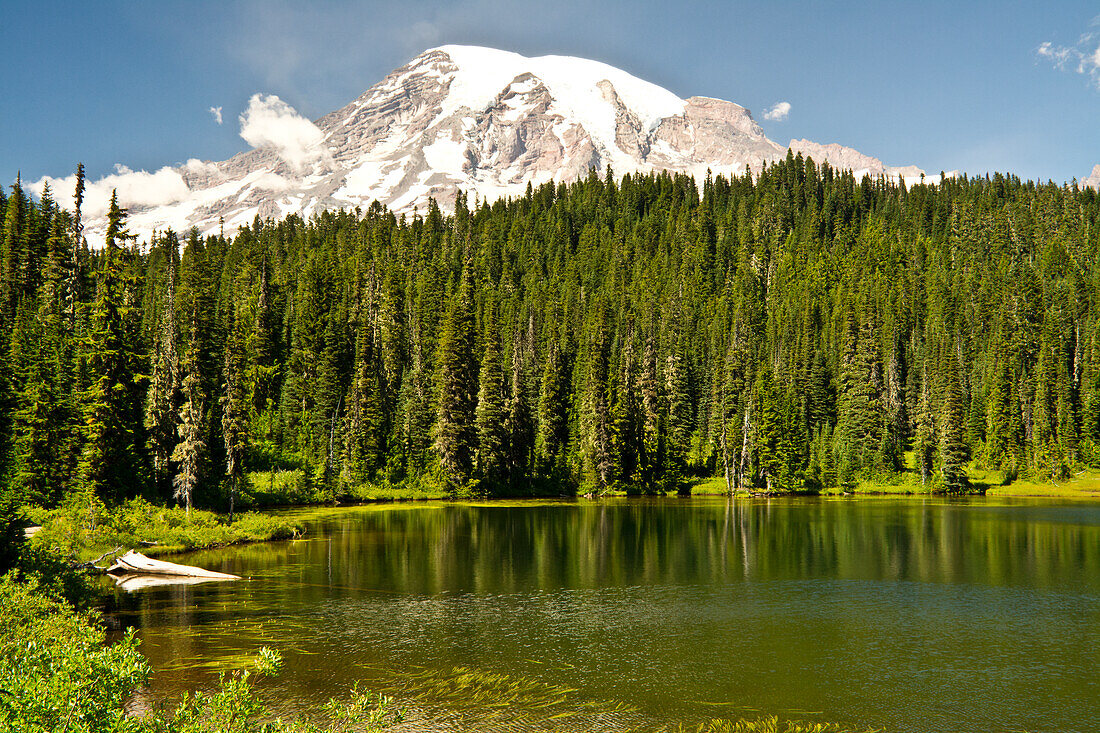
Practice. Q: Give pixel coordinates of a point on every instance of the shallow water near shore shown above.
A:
(917, 614)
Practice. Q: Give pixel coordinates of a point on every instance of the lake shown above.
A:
(638, 614)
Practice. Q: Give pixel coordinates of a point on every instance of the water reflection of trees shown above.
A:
(436, 585)
(506, 549)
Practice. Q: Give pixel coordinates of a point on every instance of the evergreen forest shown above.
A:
(796, 329)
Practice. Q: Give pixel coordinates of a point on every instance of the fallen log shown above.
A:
(132, 582)
(138, 564)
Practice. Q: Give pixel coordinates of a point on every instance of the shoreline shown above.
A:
(209, 530)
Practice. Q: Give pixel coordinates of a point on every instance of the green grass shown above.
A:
(1085, 485)
(402, 492)
(86, 532)
(710, 487)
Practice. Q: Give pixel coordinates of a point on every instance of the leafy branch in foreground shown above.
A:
(57, 674)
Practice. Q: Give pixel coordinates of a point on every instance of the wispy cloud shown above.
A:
(1082, 58)
(778, 112)
(217, 112)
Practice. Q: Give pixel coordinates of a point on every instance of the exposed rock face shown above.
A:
(489, 123)
(1093, 180)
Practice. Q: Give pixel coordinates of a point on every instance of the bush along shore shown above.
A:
(82, 531)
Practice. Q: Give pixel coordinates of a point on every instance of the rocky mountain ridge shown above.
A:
(462, 118)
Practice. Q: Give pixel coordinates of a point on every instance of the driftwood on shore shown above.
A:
(134, 563)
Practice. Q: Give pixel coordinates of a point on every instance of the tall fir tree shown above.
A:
(491, 416)
(111, 464)
(456, 430)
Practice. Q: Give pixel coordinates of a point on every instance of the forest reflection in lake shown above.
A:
(906, 614)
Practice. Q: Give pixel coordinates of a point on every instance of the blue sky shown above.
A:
(943, 85)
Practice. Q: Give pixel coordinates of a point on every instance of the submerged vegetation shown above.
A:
(68, 679)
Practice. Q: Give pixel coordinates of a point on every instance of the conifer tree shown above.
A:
(924, 439)
(519, 422)
(492, 433)
(552, 425)
(456, 430)
(13, 246)
(190, 451)
(235, 411)
(653, 448)
(365, 437)
(261, 344)
(37, 417)
(162, 401)
(679, 411)
(625, 427)
(953, 448)
(597, 446)
(111, 464)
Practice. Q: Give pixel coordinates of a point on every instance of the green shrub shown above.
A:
(57, 674)
(79, 533)
(279, 487)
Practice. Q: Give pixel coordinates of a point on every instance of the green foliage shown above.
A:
(234, 707)
(83, 533)
(58, 674)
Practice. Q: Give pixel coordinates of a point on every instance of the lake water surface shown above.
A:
(638, 614)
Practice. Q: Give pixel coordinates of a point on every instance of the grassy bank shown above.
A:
(85, 533)
(1084, 485)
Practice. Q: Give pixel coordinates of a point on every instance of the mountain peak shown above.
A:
(461, 118)
(481, 73)
(1093, 179)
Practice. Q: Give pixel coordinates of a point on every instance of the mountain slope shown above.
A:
(1093, 179)
(466, 118)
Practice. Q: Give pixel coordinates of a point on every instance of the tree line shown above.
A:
(796, 329)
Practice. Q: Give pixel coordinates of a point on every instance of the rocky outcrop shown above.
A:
(1093, 179)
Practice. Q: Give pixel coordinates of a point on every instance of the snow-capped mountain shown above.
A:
(459, 118)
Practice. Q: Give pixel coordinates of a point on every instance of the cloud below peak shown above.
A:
(778, 112)
(271, 123)
(135, 188)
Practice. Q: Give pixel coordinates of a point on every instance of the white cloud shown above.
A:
(779, 112)
(272, 182)
(1082, 58)
(217, 112)
(135, 188)
(196, 167)
(269, 122)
